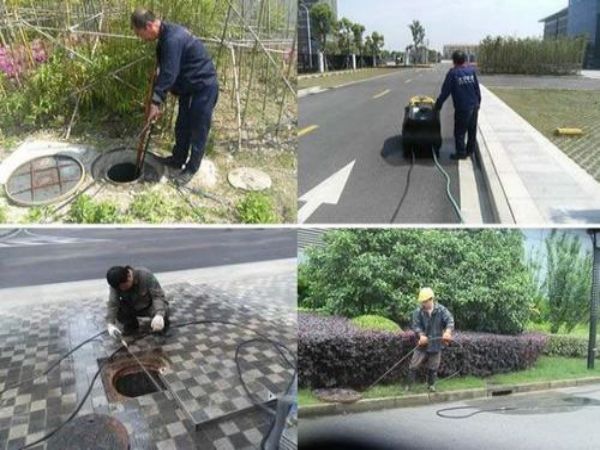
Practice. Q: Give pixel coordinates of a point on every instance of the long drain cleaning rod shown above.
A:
(156, 385)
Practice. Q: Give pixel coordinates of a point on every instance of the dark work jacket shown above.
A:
(145, 295)
(185, 67)
(432, 326)
(461, 82)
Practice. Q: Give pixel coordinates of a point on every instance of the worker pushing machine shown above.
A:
(186, 70)
(135, 293)
(461, 82)
(433, 324)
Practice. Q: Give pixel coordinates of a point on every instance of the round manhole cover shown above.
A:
(91, 432)
(44, 180)
(249, 179)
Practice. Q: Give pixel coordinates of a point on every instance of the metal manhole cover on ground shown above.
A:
(337, 395)
(91, 432)
(44, 180)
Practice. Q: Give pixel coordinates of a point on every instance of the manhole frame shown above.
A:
(101, 176)
(64, 196)
(154, 360)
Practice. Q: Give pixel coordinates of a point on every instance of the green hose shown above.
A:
(448, 193)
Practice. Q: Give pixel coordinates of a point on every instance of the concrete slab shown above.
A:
(539, 183)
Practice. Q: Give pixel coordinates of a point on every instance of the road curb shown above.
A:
(377, 404)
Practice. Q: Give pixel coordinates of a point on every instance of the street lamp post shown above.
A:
(595, 298)
(310, 57)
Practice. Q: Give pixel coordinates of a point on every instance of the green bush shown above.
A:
(3, 217)
(480, 275)
(531, 56)
(568, 346)
(376, 323)
(257, 208)
(85, 210)
(157, 207)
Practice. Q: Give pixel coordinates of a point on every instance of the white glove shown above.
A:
(158, 323)
(113, 331)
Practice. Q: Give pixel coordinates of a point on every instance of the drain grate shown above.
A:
(44, 180)
(135, 384)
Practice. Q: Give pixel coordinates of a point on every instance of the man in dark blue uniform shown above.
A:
(187, 71)
(461, 82)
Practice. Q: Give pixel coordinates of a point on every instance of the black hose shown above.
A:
(280, 347)
(406, 187)
(440, 412)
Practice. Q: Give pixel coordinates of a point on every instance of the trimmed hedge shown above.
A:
(334, 353)
(569, 346)
(376, 323)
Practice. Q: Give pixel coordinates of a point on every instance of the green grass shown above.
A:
(343, 78)
(581, 330)
(546, 369)
(549, 368)
(548, 109)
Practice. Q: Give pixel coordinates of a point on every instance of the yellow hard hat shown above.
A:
(425, 294)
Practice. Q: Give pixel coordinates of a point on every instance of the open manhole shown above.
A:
(45, 180)
(91, 431)
(119, 166)
(123, 378)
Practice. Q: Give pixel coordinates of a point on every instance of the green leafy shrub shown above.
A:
(87, 211)
(376, 323)
(480, 275)
(3, 216)
(158, 207)
(256, 208)
(568, 346)
(37, 214)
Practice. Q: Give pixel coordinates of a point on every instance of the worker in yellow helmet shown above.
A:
(433, 324)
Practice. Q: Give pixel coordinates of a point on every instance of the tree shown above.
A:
(345, 35)
(479, 274)
(358, 31)
(568, 281)
(418, 34)
(321, 17)
(374, 44)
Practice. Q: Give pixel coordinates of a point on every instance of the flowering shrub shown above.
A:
(16, 60)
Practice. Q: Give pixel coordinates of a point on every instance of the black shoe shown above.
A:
(458, 156)
(184, 177)
(170, 161)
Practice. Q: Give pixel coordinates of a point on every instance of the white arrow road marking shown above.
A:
(328, 192)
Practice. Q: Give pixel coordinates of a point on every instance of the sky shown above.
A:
(449, 21)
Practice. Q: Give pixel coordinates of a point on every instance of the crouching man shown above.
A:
(135, 293)
(433, 324)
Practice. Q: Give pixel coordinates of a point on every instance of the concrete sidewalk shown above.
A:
(531, 181)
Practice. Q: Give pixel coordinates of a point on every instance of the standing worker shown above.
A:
(433, 324)
(461, 81)
(135, 293)
(186, 70)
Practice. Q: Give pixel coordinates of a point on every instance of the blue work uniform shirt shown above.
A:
(185, 67)
(432, 325)
(461, 82)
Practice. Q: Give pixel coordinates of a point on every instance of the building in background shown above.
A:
(580, 18)
(555, 26)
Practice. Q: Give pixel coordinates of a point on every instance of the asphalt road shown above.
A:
(557, 419)
(362, 123)
(45, 256)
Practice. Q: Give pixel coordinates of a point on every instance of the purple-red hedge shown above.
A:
(334, 353)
